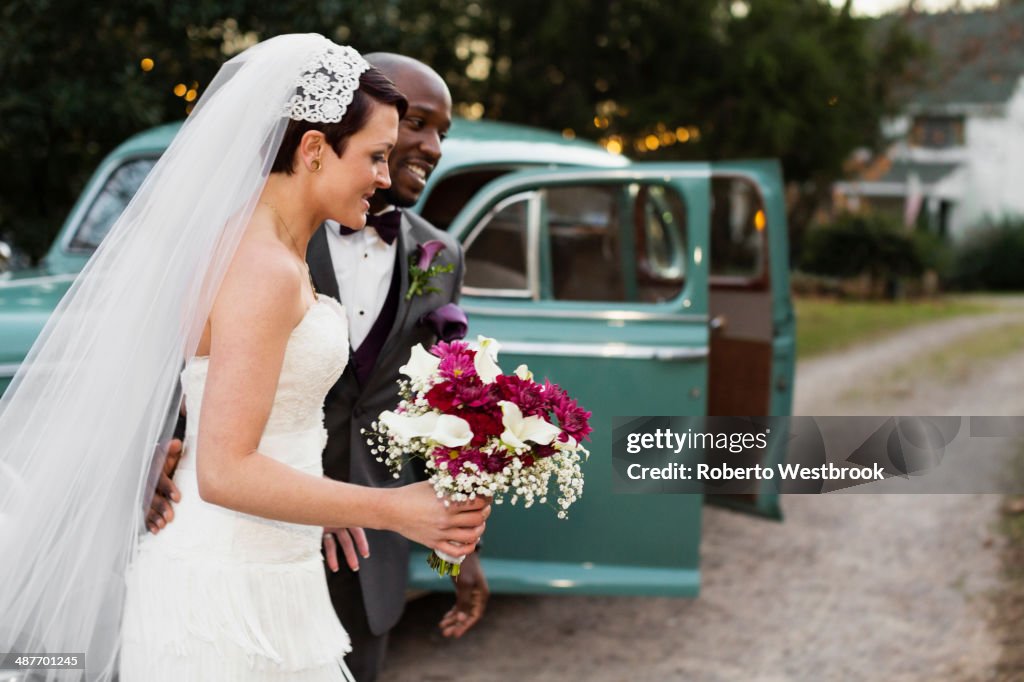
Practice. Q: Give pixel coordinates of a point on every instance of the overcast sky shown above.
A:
(876, 7)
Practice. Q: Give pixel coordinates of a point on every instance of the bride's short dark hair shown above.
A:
(373, 85)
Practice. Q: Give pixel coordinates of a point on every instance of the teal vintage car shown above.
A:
(643, 289)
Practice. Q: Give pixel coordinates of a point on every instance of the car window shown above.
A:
(660, 229)
(455, 190)
(118, 189)
(497, 250)
(585, 231)
(616, 242)
(738, 246)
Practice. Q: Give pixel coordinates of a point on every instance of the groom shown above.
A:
(368, 271)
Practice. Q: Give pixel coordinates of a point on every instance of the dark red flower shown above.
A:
(473, 394)
(484, 424)
(494, 463)
(527, 395)
(544, 451)
(441, 397)
(573, 419)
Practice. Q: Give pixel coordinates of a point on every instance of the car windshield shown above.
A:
(118, 189)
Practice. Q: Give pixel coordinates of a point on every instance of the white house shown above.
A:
(957, 157)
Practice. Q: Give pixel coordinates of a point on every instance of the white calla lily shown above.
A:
(524, 373)
(491, 346)
(449, 431)
(486, 368)
(452, 432)
(519, 429)
(421, 365)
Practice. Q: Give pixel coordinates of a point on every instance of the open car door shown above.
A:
(752, 344)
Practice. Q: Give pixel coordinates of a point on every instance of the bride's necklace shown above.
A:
(295, 244)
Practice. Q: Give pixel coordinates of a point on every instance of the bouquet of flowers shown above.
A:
(481, 432)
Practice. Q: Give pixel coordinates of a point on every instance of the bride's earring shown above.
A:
(316, 165)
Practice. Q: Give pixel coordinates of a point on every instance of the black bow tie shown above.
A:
(386, 224)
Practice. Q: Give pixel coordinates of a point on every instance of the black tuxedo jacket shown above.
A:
(350, 407)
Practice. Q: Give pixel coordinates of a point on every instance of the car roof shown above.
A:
(478, 142)
(468, 143)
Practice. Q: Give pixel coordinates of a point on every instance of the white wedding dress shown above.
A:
(221, 595)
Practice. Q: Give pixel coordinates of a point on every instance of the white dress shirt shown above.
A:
(363, 265)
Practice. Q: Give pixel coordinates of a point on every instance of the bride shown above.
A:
(206, 263)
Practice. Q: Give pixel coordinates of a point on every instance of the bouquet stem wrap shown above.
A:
(444, 564)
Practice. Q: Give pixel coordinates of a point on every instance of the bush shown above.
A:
(992, 258)
(871, 245)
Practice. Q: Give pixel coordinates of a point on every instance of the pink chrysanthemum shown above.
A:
(443, 349)
(457, 367)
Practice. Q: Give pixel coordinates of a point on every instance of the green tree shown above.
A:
(799, 80)
(74, 87)
(709, 79)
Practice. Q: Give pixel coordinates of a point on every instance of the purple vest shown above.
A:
(364, 358)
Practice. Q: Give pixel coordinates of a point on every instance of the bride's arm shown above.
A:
(257, 308)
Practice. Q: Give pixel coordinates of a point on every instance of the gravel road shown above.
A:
(849, 587)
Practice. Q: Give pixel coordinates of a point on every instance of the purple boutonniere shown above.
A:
(422, 269)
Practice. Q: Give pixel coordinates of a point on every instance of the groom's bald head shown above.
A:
(399, 67)
(420, 131)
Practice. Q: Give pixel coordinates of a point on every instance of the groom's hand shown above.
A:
(161, 509)
(471, 595)
(352, 540)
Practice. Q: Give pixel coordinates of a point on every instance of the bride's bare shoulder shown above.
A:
(263, 282)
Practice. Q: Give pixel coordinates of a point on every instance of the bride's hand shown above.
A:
(352, 540)
(453, 529)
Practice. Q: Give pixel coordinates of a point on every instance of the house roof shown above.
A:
(936, 180)
(976, 58)
(927, 173)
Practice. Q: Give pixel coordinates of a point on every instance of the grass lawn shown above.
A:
(824, 325)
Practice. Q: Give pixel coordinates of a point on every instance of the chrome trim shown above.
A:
(605, 350)
(584, 174)
(532, 240)
(533, 243)
(8, 370)
(608, 315)
(521, 294)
